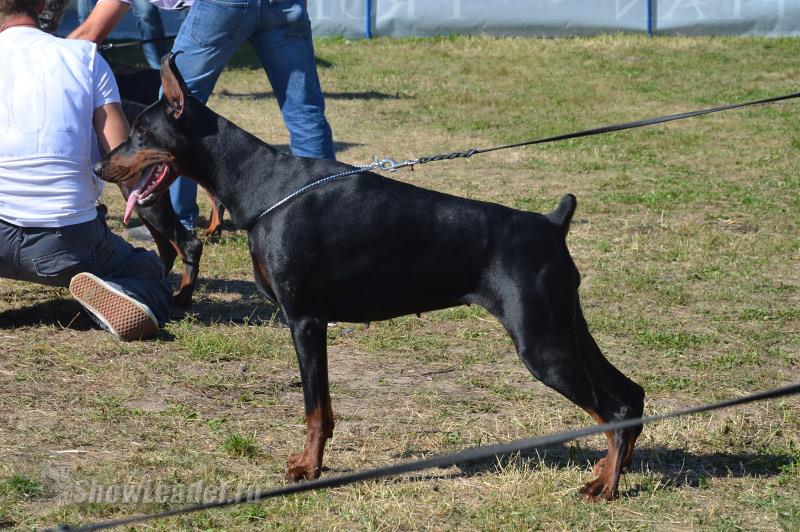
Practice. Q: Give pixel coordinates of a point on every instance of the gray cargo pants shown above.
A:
(52, 256)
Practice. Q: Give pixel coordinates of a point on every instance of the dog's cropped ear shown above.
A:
(175, 89)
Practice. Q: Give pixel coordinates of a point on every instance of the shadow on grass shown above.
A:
(61, 312)
(680, 468)
(247, 59)
(251, 308)
(68, 313)
(676, 468)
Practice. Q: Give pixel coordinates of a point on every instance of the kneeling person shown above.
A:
(55, 96)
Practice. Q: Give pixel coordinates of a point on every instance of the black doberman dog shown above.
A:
(366, 248)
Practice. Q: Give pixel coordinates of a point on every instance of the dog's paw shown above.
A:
(598, 490)
(300, 468)
(302, 472)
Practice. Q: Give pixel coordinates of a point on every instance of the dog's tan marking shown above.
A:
(319, 427)
(120, 168)
(215, 221)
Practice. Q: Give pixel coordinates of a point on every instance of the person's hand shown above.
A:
(101, 21)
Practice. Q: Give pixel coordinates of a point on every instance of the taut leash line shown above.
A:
(111, 45)
(390, 165)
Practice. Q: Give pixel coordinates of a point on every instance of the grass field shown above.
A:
(687, 236)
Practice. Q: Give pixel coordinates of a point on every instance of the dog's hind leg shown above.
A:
(553, 341)
(629, 400)
(310, 338)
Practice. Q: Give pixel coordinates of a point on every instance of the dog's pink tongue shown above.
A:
(132, 198)
(136, 193)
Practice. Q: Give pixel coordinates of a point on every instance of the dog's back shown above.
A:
(400, 249)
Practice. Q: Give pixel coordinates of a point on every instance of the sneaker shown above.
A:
(120, 314)
(140, 233)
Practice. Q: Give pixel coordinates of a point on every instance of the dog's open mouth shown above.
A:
(146, 190)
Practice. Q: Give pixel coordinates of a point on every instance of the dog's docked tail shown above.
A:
(562, 216)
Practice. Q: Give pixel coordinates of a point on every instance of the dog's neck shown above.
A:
(246, 174)
(237, 168)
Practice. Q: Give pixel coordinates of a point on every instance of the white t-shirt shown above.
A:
(49, 89)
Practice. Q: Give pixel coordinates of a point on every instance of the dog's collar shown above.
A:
(358, 170)
(383, 165)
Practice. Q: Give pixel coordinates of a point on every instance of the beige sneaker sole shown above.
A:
(123, 316)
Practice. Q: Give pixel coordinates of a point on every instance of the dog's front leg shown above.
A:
(310, 337)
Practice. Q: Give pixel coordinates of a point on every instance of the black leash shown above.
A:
(391, 165)
(469, 455)
(127, 44)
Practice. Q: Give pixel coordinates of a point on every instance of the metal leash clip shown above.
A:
(389, 165)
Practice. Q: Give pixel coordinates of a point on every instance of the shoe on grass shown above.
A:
(120, 314)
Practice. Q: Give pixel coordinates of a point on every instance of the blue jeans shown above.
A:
(150, 26)
(280, 32)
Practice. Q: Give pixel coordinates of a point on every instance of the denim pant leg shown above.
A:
(286, 50)
(148, 19)
(183, 196)
(208, 37)
(83, 8)
(52, 256)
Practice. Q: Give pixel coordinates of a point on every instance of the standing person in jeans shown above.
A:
(280, 32)
(54, 94)
(150, 25)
